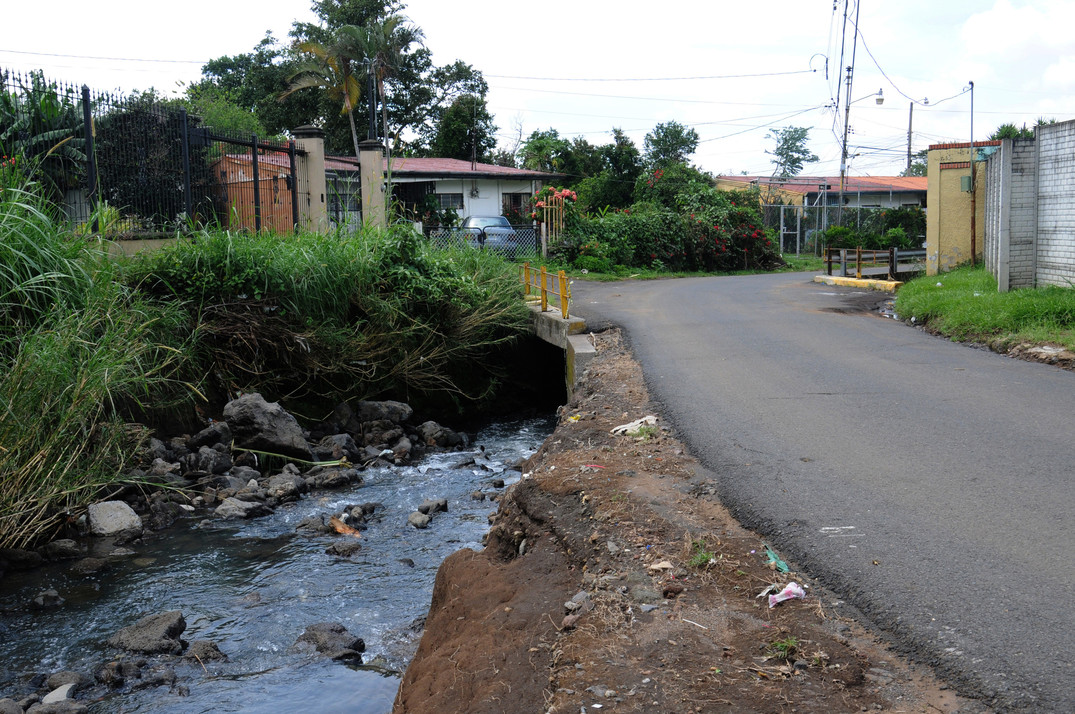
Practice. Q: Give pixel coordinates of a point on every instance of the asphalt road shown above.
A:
(929, 484)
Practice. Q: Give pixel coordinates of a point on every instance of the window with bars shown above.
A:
(450, 200)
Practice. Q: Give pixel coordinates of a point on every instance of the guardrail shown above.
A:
(862, 258)
(540, 284)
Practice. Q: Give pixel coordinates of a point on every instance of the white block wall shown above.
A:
(1056, 204)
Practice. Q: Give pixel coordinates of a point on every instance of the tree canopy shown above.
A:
(790, 154)
(670, 143)
(415, 92)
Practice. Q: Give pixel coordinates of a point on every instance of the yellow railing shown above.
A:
(540, 284)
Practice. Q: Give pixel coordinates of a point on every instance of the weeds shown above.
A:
(784, 648)
(701, 556)
(966, 305)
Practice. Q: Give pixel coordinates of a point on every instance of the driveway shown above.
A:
(929, 484)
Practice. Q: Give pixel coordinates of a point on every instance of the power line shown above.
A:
(652, 79)
(109, 59)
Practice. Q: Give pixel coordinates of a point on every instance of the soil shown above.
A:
(667, 615)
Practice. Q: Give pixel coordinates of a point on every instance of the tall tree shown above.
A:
(670, 143)
(790, 153)
(919, 166)
(387, 44)
(544, 151)
(335, 68)
(466, 131)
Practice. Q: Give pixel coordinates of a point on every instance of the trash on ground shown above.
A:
(775, 561)
(635, 428)
(791, 591)
(663, 565)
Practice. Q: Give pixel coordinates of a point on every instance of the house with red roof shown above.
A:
(809, 191)
(469, 188)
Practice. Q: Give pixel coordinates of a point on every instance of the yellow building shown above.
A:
(949, 221)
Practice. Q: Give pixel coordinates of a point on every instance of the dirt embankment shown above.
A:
(612, 582)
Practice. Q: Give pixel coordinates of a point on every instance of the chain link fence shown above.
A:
(514, 243)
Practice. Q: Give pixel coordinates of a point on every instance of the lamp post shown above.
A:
(973, 192)
(880, 99)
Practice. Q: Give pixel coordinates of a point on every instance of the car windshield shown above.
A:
(486, 221)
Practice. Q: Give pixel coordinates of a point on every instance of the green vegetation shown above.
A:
(700, 554)
(89, 345)
(341, 315)
(77, 350)
(881, 229)
(965, 305)
(784, 648)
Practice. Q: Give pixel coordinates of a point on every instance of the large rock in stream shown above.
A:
(153, 634)
(265, 426)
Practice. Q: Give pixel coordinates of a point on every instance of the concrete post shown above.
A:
(310, 169)
(371, 160)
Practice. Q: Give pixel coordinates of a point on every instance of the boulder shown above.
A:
(205, 651)
(207, 460)
(110, 518)
(62, 693)
(217, 432)
(153, 634)
(67, 677)
(419, 520)
(264, 426)
(46, 599)
(433, 434)
(344, 549)
(331, 477)
(333, 639)
(236, 508)
(433, 505)
(401, 452)
(338, 446)
(9, 706)
(285, 487)
(163, 513)
(60, 549)
(395, 412)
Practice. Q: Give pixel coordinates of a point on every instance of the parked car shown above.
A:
(491, 232)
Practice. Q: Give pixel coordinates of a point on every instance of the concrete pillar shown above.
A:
(371, 160)
(310, 167)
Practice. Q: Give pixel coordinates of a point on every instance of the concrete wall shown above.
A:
(1030, 215)
(1056, 204)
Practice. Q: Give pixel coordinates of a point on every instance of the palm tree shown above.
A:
(331, 67)
(386, 43)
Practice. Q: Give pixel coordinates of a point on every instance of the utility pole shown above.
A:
(973, 191)
(910, 117)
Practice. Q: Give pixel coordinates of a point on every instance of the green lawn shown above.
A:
(965, 305)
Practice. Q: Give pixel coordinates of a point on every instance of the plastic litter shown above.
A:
(791, 591)
(635, 428)
(775, 561)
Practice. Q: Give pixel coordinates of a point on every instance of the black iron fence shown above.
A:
(139, 165)
(802, 228)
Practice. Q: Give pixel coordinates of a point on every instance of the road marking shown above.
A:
(841, 532)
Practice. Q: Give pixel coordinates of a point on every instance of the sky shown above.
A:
(734, 71)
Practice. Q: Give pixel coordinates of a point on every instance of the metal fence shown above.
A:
(138, 166)
(514, 243)
(802, 228)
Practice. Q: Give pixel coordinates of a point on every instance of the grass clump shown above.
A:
(77, 351)
(965, 305)
(340, 315)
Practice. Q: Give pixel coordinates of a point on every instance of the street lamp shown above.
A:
(880, 99)
(973, 196)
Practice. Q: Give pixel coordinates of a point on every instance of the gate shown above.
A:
(253, 182)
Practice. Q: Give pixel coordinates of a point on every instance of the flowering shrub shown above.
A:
(712, 231)
(548, 196)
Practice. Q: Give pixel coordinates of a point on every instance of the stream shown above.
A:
(254, 586)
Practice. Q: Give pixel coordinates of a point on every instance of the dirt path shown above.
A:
(666, 615)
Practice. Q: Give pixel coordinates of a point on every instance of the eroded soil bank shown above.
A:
(664, 613)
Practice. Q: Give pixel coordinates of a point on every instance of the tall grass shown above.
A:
(340, 315)
(966, 305)
(76, 350)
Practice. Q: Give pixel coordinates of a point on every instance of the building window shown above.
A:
(450, 200)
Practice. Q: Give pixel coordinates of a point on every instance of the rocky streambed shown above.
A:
(251, 582)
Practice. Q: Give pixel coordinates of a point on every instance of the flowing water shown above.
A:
(254, 586)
